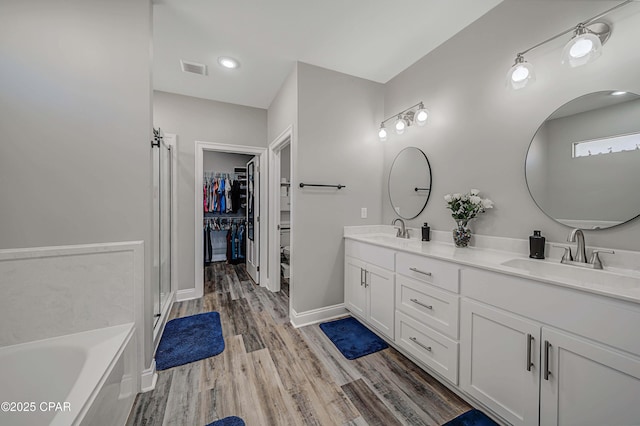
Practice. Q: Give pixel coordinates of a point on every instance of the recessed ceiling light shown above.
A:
(619, 93)
(228, 62)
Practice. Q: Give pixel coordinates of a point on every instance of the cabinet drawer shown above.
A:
(436, 272)
(380, 256)
(429, 305)
(428, 346)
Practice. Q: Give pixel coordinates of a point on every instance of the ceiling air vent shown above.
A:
(193, 67)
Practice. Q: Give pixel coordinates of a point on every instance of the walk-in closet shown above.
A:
(227, 204)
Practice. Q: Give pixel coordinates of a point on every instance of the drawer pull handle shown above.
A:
(417, 302)
(414, 340)
(420, 272)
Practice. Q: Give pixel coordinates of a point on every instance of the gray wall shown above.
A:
(75, 96)
(224, 162)
(194, 119)
(479, 132)
(337, 143)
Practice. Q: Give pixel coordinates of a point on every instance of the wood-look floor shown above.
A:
(273, 374)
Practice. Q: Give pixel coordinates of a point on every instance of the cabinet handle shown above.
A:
(365, 278)
(414, 340)
(420, 272)
(361, 277)
(530, 340)
(547, 348)
(417, 302)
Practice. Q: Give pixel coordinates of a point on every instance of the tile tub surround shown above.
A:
(490, 252)
(54, 291)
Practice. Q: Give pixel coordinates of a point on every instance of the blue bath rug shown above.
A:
(228, 421)
(352, 338)
(472, 418)
(189, 339)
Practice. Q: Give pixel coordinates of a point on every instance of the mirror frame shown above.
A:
(430, 183)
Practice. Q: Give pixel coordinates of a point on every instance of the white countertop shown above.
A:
(623, 284)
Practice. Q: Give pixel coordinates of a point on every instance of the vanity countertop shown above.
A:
(615, 283)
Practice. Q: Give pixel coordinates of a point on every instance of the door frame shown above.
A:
(275, 149)
(200, 148)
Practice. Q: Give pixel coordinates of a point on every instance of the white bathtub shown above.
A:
(85, 378)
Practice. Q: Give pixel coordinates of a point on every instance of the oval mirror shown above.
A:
(583, 163)
(409, 183)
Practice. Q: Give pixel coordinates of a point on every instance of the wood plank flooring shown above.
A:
(271, 374)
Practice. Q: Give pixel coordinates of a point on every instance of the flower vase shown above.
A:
(461, 234)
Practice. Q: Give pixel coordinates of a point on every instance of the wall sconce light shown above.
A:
(585, 46)
(415, 114)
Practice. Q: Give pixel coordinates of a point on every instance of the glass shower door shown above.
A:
(163, 174)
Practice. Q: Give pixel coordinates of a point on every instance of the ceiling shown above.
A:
(372, 39)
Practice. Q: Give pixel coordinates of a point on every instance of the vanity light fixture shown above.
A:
(416, 114)
(585, 46)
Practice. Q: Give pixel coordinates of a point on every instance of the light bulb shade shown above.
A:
(420, 117)
(582, 49)
(400, 125)
(382, 134)
(520, 75)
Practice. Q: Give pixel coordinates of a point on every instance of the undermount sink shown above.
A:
(551, 270)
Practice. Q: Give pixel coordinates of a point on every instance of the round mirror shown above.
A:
(409, 183)
(583, 164)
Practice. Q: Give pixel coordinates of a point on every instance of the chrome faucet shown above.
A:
(576, 235)
(402, 232)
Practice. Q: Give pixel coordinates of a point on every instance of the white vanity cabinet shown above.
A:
(529, 371)
(369, 289)
(528, 351)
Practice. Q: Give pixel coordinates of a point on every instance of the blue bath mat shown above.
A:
(228, 421)
(472, 418)
(189, 339)
(352, 338)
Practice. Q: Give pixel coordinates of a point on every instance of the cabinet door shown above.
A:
(499, 361)
(380, 285)
(588, 384)
(355, 293)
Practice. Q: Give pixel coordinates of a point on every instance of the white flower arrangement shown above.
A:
(465, 207)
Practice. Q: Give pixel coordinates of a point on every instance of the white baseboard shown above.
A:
(301, 319)
(187, 294)
(149, 378)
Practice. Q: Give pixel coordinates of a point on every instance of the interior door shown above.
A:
(253, 220)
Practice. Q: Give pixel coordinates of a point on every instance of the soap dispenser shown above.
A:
(426, 231)
(536, 245)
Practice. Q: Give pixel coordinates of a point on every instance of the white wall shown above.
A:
(479, 132)
(338, 116)
(194, 119)
(75, 96)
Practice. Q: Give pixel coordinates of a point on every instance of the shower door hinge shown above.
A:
(157, 138)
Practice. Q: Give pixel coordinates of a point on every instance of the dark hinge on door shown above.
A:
(258, 269)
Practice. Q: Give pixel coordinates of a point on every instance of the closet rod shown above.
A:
(302, 185)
